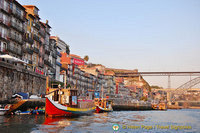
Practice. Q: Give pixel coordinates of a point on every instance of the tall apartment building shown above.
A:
(12, 29)
(48, 64)
(37, 49)
(53, 57)
(33, 32)
(61, 46)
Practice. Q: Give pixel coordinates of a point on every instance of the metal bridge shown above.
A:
(181, 89)
(169, 74)
(135, 74)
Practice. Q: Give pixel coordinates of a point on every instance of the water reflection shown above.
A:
(103, 122)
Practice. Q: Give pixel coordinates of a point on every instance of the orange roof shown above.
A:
(109, 73)
(30, 6)
(119, 80)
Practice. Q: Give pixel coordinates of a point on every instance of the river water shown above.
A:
(185, 120)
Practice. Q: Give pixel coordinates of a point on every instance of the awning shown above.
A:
(11, 58)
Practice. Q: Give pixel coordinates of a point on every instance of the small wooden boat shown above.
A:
(162, 106)
(64, 102)
(19, 112)
(3, 111)
(159, 106)
(54, 109)
(103, 105)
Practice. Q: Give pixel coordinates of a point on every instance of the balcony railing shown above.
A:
(41, 54)
(47, 51)
(59, 54)
(54, 55)
(14, 50)
(18, 15)
(5, 8)
(41, 64)
(29, 50)
(36, 37)
(5, 22)
(17, 26)
(36, 50)
(30, 62)
(50, 47)
(36, 25)
(58, 63)
(42, 33)
(29, 40)
(48, 63)
(16, 38)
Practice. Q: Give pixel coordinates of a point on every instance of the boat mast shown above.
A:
(65, 79)
(102, 91)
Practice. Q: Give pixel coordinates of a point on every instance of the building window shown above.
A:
(11, 6)
(29, 21)
(4, 46)
(18, 10)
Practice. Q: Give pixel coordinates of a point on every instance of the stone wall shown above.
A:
(14, 79)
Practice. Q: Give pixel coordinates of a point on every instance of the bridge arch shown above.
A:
(189, 84)
(184, 87)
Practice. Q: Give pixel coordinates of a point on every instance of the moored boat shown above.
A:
(3, 111)
(64, 102)
(54, 109)
(103, 105)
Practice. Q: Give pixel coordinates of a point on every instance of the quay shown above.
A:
(131, 107)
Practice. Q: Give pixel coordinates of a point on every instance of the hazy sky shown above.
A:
(148, 35)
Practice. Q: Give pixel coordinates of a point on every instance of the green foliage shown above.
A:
(67, 49)
(156, 87)
(86, 58)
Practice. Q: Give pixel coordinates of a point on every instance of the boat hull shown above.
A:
(100, 109)
(54, 109)
(3, 111)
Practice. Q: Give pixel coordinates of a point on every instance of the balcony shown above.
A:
(18, 15)
(30, 62)
(59, 64)
(16, 38)
(42, 33)
(14, 50)
(50, 47)
(36, 50)
(29, 40)
(29, 50)
(54, 55)
(36, 37)
(47, 63)
(3, 36)
(41, 54)
(17, 26)
(40, 64)
(37, 26)
(5, 22)
(4, 8)
(47, 51)
(59, 54)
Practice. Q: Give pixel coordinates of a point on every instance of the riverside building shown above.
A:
(12, 23)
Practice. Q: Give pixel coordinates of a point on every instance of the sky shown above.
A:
(148, 35)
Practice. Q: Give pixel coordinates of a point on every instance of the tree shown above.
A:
(67, 49)
(86, 58)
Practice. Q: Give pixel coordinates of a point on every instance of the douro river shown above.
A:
(185, 120)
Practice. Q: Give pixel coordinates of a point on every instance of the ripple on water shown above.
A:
(103, 122)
